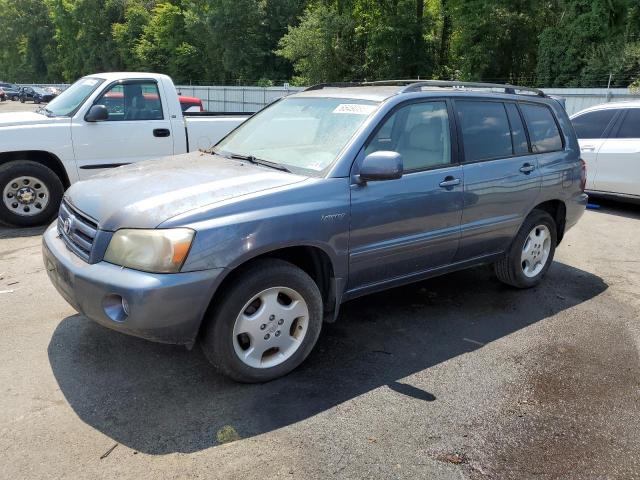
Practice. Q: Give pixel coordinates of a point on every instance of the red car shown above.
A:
(3, 96)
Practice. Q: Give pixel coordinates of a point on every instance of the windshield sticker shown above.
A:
(354, 108)
(90, 82)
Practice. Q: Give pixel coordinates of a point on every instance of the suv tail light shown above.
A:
(583, 174)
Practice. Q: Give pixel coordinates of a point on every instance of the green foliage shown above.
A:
(267, 42)
(584, 43)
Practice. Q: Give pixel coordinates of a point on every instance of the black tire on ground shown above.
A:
(14, 98)
(21, 99)
(17, 168)
(217, 338)
(509, 269)
(36, 101)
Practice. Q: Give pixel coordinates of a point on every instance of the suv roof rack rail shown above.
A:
(320, 86)
(508, 88)
(416, 85)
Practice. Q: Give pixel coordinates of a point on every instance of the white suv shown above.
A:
(609, 137)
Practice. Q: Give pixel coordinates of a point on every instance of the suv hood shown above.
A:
(145, 194)
(13, 119)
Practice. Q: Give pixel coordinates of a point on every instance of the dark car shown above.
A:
(11, 90)
(324, 196)
(35, 94)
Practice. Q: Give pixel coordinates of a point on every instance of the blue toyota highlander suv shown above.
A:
(323, 196)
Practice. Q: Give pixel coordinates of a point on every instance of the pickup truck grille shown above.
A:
(77, 230)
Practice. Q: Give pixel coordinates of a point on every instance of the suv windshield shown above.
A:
(299, 133)
(68, 101)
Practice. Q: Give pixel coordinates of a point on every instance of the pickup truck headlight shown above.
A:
(156, 251)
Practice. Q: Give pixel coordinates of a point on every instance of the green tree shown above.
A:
(83, 35)
(577, 48)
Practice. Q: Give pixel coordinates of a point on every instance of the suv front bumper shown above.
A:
(166, 308)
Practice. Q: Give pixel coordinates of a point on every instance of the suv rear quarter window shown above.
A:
(543, 130)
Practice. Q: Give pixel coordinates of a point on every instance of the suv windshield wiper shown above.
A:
(259, 161)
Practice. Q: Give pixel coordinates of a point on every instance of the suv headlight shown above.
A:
(156, 251)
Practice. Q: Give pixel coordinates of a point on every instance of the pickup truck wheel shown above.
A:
(266, 323)
(531, 252)
(31, 193)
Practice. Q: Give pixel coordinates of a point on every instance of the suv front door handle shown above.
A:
(527, 168)
(449, 182)
(161, 132)
(588, 148)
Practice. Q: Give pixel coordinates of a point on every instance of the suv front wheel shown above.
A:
(531, 252)
(265, 324)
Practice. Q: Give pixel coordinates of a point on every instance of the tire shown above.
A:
(14, 98)
(522, 269)
(36, 101)
(34, 188)
(223, 340)
(21, 99)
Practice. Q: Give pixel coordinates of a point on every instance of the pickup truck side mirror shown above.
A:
(97, 113)
(381, 165)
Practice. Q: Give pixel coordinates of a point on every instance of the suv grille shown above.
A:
(77, 230)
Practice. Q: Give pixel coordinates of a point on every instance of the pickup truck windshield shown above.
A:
(68, 101)
(299, 133)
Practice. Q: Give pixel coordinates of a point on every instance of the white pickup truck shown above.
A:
(102, 121)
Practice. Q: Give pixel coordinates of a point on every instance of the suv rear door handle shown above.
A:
(161, 132)
(527, 168)
(449, 182)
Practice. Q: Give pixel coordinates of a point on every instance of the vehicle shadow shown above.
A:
(160, 399)
(617, 208)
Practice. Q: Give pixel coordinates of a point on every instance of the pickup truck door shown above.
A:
(403, 228)
(138, 128)
(618, 160)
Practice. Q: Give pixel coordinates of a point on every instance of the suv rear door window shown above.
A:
(543, 130)
(593, 124)
(630, 127)
(485, 130)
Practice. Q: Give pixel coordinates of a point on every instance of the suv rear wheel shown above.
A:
(531, 252)
(31, 193)
(266, 323)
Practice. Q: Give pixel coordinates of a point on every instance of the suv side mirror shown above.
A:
(97, 113)
(381, 165)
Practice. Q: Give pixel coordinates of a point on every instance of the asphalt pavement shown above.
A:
(455, 377)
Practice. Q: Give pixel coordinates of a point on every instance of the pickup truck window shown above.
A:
(132, 101)
(70, 100)
(419, 132)
(299, 133)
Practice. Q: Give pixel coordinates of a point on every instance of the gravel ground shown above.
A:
(456, 377)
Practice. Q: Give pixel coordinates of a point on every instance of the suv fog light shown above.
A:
(115, 307)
